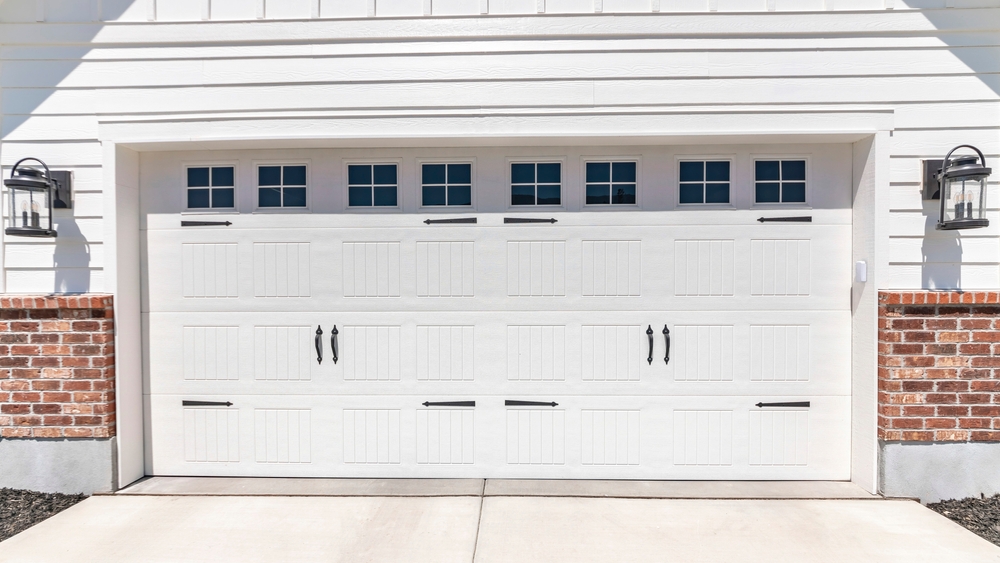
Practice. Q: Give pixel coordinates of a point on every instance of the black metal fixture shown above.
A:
(471, 220)
(792, 404)
(205, 223)
(319, 344)
(449, 404)
(666, 339)
(513, 403)
(31, 192)
(805, 219)
(649, 335)
(961, 187)
(206, 404)
(333, 343)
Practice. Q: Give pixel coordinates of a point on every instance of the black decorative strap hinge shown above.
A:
(452, 221)
(205, 223)
(450, 404)
(509, 403)
(798, 404)
(785, 220)
(527, 220)
(206, 404)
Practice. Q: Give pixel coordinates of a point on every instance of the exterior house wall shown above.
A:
(74, 74)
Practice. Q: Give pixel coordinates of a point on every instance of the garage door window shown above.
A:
(780, 181)
(211, 187)
(446, 184)
(372, 185)
(611, 183)
(536, 183)
(281, 186)
(704, 181)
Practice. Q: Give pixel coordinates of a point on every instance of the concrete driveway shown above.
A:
(471, 521)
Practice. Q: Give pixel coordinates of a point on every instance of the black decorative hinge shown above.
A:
(526, 220)
(799, 404)
(205, 223)
(509, 403)
(785, 220)
(460, 220)
(206, 404)
(450, 404)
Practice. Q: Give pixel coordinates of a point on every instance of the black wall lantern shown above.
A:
(31, 192)
(961, 187)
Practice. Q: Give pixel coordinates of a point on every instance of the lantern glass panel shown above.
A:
(965, 198)
(29, 208)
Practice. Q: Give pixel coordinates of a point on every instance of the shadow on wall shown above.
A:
(71, 258)
(941, 253)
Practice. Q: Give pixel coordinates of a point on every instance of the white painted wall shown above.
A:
(933, 69)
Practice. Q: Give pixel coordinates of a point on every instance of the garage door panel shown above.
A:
(732, 352)
(585, 437)
(567, 269)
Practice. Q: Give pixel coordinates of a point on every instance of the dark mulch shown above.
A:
(981, 515)
(20, 510)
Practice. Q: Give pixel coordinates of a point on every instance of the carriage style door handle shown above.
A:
(666, 339)
(206, 404)
(319, 344)
(794, 404)
(511, 403)
(449, 404)
(471, 220)
(519, 220)
(649, 334)
(333, 344)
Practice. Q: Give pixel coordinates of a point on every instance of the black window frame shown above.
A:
(282, 185)
(704, 182)
(611, 182)
(782, 181)
(447, 184)
(371, 184)
(211, 187)
(535, 184)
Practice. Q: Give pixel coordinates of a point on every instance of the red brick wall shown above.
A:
(57, 374)
(939, 366)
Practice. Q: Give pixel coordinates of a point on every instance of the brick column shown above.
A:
(57, 374)
(939, 366)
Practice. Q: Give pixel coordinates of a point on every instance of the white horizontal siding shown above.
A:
(194, 10)
(493, 67)
(937, 71)
(443, 95)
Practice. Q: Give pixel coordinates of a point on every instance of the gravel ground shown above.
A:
(20, 510)
(981, 515)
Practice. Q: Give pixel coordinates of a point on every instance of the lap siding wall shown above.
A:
(939, 366)
(57, 367)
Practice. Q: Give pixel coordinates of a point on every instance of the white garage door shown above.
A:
(502, 348)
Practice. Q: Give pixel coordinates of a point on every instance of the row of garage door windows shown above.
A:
(531, 183)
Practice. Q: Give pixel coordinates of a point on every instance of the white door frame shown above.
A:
(868, 131)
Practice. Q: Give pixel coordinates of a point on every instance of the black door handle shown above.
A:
(649, 334)
(666, 340)
(785, 220)
(449, 404)
(519, 220)
(206, 404)
(450, 221)
(333, 343)
(800, 404)
(510, 403)
(319, 344)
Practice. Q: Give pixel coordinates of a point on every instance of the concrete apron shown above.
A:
(421, 525)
